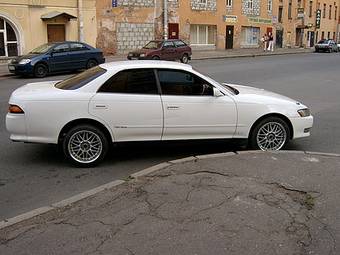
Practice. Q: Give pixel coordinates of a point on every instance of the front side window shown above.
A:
(61, 48)
(168, 45)
(79, 80)
(181, 83)
(132, 81)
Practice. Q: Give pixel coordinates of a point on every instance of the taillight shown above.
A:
(15, 109)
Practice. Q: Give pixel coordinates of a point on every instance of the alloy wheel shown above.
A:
(271, 136)
(85, 146)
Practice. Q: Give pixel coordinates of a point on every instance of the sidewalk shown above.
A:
(200, 55)
(255, 203)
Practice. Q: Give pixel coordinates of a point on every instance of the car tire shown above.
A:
(185, 59)
(91, 63)
(155, 58)
(271, 133)
(85, 145)
(40, 70)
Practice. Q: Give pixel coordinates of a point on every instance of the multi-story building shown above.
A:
(216, 24)
(25, 24)
(301, 23)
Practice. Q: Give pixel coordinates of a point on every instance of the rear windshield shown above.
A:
(79, 80)
(323, 41)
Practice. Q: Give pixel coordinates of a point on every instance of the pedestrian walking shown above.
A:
(270, 42)
(264, 41)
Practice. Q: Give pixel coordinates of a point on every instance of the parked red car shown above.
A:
(163, 50)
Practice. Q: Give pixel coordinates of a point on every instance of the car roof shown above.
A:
(131, 64)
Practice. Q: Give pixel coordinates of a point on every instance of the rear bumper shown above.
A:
(302, 126)
(16, 126)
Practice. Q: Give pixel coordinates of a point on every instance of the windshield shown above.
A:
(153, 45)
(42, 48)
(79, 80)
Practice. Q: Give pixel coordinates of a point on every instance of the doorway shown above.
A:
(229, 38)
(311, 38)
(173, 31)
(299, 37)
(55, 33)
(279, 38)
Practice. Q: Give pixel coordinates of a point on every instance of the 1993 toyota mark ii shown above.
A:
(149, 101)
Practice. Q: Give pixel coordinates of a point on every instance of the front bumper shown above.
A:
(301, 126)
(20, 69)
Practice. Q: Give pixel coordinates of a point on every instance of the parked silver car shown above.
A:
(326, 45)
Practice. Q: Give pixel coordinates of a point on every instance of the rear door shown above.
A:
(191, 111)
(79, 54)
(60, 59)
(131, 104)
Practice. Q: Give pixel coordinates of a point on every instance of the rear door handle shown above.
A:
(173, 107)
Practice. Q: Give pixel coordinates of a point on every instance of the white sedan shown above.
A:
(145, 101)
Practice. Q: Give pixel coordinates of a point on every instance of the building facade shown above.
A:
(212, 24)
(26, 24)
(302, 23)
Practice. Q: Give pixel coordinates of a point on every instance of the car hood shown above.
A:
(251, 91)
(27, 56)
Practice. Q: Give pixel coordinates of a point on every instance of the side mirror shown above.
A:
(217, 93)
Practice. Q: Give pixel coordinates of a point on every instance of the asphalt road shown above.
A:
(35, 175)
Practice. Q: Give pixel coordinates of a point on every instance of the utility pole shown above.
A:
(165, 29)
(80, 21)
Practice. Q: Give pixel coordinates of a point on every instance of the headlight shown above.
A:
(142, 55)
(24, 61)
(304, 112)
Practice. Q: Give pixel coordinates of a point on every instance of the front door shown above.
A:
(60, 58)
(173, 30)
(191, 111)
(229, 42)
(55, 33)
(279, 38)
(311, 38)
(130, 103)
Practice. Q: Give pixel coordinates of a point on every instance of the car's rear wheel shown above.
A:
(271, 133)
(85, 145)
(185, 59)
(40, 71)
(91, 63)
(155, 58)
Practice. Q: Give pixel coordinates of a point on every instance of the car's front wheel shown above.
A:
(85, 145)
(185, 59)
(40, 71)
(271, 133)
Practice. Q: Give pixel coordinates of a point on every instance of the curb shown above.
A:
(74, 199)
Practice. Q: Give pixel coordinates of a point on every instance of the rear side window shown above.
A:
(133, 81)
(79, 80)
(179, 43)
(77, 47)
(182, 83)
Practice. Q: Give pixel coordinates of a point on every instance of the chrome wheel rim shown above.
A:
(271, 136)
(85, 146)
(185, 59)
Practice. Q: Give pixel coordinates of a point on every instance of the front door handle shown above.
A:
(173, 107)
(100, 106)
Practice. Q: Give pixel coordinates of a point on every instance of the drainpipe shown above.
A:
(165, 30)
(80, 21)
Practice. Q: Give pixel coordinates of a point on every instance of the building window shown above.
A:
(203, 34)
(290, 9)
(250, 4)
(335, 12)
(330, 12)
(316, 36)
(250, 36)
(322, 35)
(280, 14)
(324, 11)
(333, 35)
(8, 40)
(310, 8)
(270, 5)
(203, 1)
(229, 3)
(329, 35)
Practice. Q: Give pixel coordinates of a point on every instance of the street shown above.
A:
(35, 175)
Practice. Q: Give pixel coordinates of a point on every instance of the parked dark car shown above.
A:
(56, 57)
(326, 45)
(163, 50)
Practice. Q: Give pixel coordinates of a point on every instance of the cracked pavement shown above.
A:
(256, 203)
